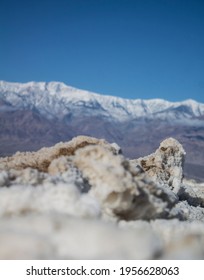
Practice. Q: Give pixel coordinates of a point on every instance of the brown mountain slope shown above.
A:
(27, 130)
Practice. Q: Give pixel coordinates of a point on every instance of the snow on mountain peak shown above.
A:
(57, 99)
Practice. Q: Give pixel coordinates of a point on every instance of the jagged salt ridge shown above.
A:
(56, 100)
(84, 200)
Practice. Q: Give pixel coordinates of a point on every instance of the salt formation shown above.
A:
(121, 189)
(84, 200)
(41, 159)
(62, 237)
(192, 192)
(165, 166)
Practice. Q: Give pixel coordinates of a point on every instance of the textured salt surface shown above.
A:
(84, 200)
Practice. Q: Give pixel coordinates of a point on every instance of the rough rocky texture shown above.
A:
(121, 189)
(165, 166)
(47, 198)
(89, 202)
(193, 192)
(41, 159)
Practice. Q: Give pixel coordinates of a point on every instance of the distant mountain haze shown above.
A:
(37, 114)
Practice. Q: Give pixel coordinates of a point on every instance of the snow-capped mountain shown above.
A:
(56, 100)
(33, 115)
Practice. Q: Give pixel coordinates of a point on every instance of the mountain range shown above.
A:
(37, 114)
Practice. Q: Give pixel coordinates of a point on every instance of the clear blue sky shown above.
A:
(128, 48)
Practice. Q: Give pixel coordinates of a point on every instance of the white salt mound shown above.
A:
(84, 200)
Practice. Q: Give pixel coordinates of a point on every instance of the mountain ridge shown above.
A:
(57, 86)
(34, 115)
(57, 98)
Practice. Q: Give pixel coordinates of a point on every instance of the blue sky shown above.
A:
(128, 48)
